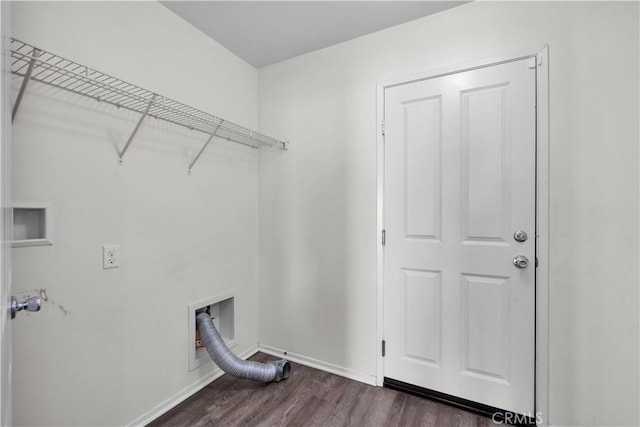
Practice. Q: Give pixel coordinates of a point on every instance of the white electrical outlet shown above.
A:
(111, 256)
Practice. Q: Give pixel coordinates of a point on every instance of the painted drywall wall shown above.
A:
(110, 345)
(318, 202)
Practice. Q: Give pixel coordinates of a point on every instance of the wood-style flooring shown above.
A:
(310, 397)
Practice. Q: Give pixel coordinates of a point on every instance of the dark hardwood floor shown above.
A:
(310, 398)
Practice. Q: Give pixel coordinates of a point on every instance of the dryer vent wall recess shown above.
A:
(32, 225)
(221, 310)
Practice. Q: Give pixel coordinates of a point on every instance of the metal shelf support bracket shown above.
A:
(204, 147)
(136, 129)
(25, 81)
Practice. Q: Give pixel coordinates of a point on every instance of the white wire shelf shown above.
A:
(35, 64)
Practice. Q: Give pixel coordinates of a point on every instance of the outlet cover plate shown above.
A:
(110, 256)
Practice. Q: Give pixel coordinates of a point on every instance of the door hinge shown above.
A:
(384, 350)
(535, 61)
(382, 127)
(384, 237)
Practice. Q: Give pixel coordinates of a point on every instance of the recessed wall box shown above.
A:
(32, 225)
(221, 310)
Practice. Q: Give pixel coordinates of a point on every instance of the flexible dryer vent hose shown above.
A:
(227, 361)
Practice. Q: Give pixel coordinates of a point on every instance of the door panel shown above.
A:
(422, 173)
(486, 311)
(485, 180)
(422, 323)
(459, 181)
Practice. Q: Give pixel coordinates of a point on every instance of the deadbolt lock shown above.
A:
(520, 236)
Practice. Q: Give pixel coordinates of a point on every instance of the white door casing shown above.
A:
(6, 219)
(459, 180)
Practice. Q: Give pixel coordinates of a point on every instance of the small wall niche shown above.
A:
(221, 310)
(31, 225)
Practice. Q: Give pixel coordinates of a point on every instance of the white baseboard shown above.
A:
(318, 364)
(185, 393)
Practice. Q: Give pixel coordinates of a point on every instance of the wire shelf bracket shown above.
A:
(35, 64)
(204, 147)
(25, 82)
(136, 129)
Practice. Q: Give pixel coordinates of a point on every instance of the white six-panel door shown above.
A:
(459, 316)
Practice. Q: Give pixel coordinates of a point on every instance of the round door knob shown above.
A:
(521, 261)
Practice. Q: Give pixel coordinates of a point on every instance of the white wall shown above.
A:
(110, 345)
(318, 201)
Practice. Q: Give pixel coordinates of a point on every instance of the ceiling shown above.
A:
(266, 32)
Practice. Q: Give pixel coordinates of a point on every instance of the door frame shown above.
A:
(6, 218)
(541, 55)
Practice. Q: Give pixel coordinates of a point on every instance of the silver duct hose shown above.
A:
(276, 370)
